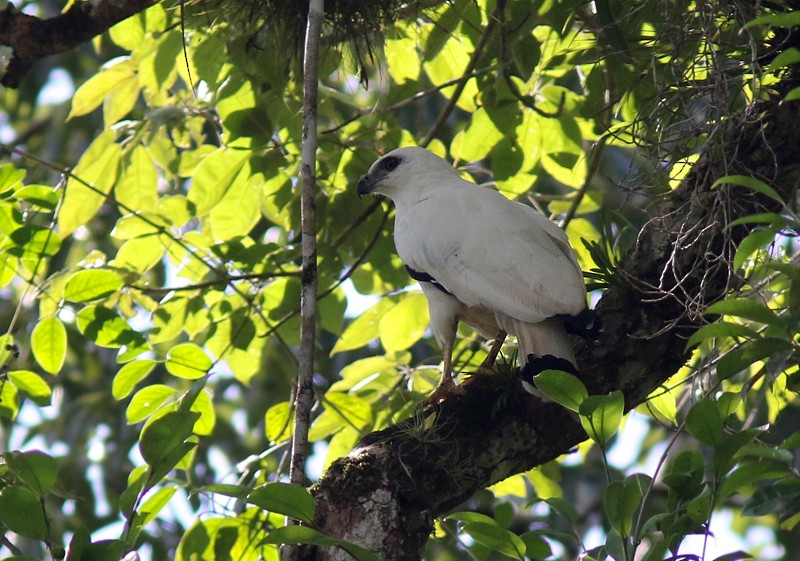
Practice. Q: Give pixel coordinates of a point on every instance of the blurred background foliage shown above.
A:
(150, 279)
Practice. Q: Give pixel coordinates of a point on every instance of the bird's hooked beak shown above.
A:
(366, 185)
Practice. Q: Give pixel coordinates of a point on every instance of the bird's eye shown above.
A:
(390, 163)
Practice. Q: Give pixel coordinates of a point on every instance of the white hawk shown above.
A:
(495, 264)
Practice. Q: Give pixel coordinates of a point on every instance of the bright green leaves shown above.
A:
(32, 385)
(563, 388)
(147, 401)
(49, 344)
(90, 183)
(103, 84)
(92, 284)
(188, 361)
(402, 57)
(399, 323)
(284, 498)
(129, 375)
(214, 177)
(600, 415)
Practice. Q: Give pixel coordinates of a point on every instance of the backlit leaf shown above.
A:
(92, 284)
(98, 167)
(49, 344)
(32, 385)
(130, 375)
(601, 415)
(187, 360)
(562, 387)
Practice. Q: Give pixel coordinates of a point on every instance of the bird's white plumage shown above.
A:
(505, 265)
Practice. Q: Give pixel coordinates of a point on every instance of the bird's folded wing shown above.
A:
(508, 259)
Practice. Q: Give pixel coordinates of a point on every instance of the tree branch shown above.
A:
(33, 38)
(385, 494)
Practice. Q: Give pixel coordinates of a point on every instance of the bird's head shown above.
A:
(404, 172)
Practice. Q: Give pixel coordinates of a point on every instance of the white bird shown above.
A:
(498, 265)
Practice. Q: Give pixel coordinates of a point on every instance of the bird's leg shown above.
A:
(446, 383)
(490, 359)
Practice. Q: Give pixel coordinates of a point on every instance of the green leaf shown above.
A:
(214, 176)
(661, 405)
(745, 308)
(601, 415)
(147, 400)
(349, 409)
(203, 406)
(729, 445)
(705, 422)
(289, 499)
(137, 187)
(49, 344)
(486, 531)
(751, 183)
(771, 499)
(364, 329)
(189, 361)
(304, 534)
(130, 375)
(752, 243)
(42, 196)
(98, 167)
(36, 469)
(404, 323)
(121, 100)
(106, 328)
(150, 509)
(719, 330)
(402, 59)
(279, 422)
(22, 512)
(788, 19)
(622, 500)
(32, 242)
(31, 384)
(739, 359)
(9, 403)
(92, 284)
(163, 437)
(93, 91)
(496, 538)
(563, 388)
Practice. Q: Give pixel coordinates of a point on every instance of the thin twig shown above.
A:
(305, 393)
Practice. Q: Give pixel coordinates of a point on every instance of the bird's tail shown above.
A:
(548, 337)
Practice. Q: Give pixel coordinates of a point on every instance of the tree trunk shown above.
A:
(385, 494)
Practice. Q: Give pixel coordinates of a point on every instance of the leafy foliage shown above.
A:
(150, 269)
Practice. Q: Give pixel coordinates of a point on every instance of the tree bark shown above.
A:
(33, 38)
(385, 494)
